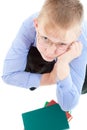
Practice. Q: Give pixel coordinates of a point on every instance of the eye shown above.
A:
(62, 44)
(45, 38)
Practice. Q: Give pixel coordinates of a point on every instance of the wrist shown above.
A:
(63, 70)
(47, 79)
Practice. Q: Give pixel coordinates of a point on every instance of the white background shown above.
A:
(14, 100)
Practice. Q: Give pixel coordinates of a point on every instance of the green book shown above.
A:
(47, 118)
(46, 103)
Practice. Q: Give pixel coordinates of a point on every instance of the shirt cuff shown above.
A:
(34, 80)
(65, 84)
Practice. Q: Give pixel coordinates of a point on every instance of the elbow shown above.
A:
(68, 100)
(69, 105)
(5, 79)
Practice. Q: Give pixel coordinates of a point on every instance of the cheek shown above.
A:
(40, 48)
(60, 52)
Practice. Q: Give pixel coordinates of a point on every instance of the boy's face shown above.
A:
(54, 42)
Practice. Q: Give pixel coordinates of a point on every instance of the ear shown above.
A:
(35, 23)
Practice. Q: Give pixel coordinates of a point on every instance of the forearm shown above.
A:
(59, 72)
(22, 79)
(63, 70)
(47, 79)
(67, 94)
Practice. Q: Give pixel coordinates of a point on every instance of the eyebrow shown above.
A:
(67, 43)
(57, 42)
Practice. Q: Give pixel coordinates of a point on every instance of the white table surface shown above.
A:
(14, 101)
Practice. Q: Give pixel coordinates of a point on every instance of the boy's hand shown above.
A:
(61, 68)
(73, 52)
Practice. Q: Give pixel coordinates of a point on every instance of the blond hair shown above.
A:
(63, 13)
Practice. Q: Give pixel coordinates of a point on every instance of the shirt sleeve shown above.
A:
(16, 58)
(69, 89)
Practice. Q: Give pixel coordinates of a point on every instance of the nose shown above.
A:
(51, 50)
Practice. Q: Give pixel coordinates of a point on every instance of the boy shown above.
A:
(56, 35)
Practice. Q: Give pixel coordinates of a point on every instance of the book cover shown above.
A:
(68, 115)
(47, 118)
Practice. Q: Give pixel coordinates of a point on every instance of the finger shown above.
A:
(77, 45)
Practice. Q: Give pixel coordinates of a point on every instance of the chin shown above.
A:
(48, 59)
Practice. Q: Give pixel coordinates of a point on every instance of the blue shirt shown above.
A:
(68, 90)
